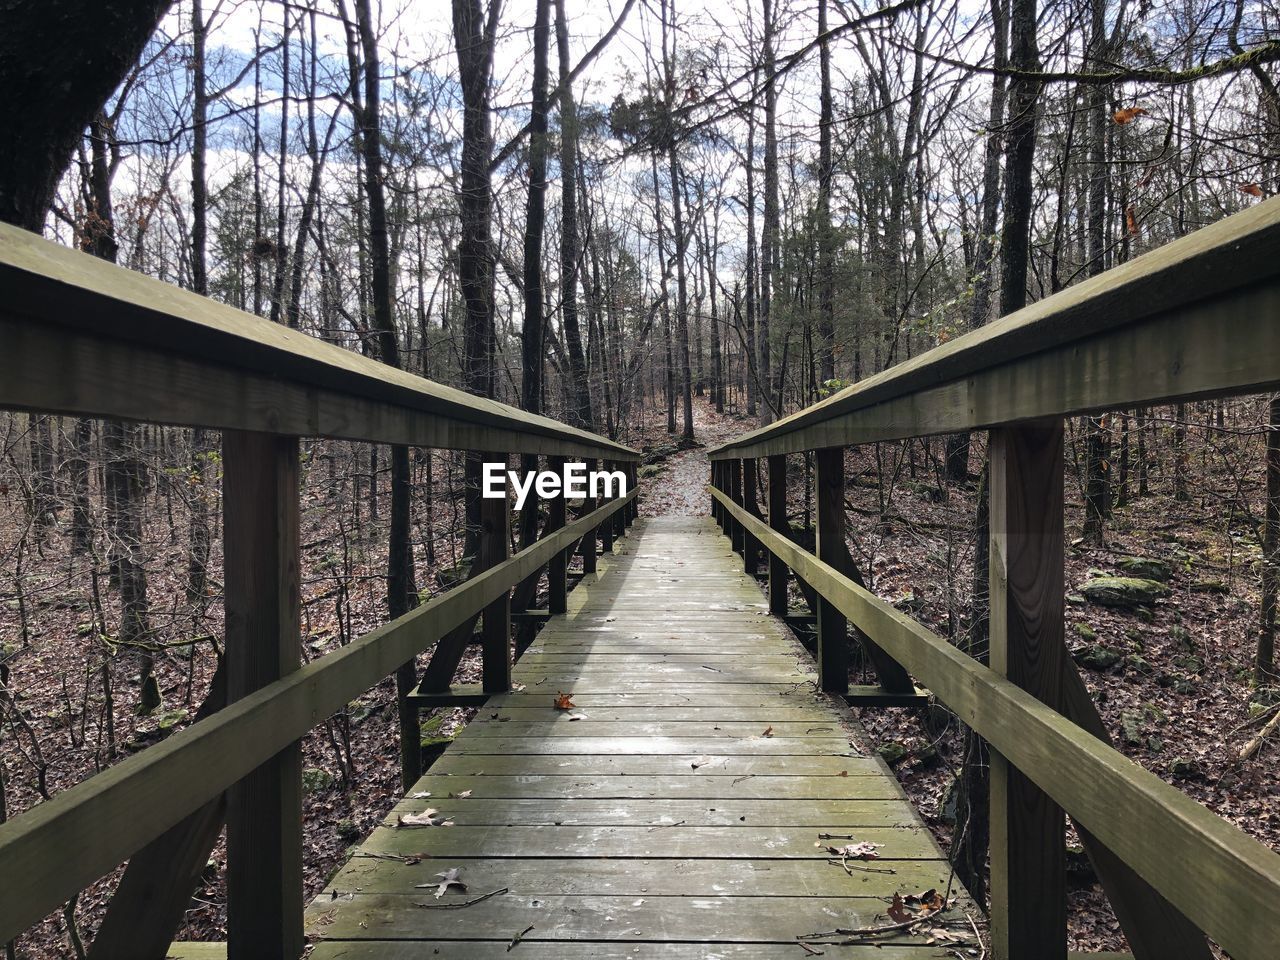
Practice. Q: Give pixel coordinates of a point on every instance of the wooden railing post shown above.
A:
(495, 637)
(606, 528)
(557, 593)
(1028, 885)
(778, 523)
(833, 643)
(588, 546)
(735, 493)
(717, 513)
(750, 545)
(620, 518)
(263, 643)
(633, 481)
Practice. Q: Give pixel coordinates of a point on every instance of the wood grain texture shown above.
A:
(262, 561)
(1028, 850)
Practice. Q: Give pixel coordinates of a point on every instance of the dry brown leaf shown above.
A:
(898, 911)
(1131, 219)
(564, 701)
(1252, 189)
(768, 732)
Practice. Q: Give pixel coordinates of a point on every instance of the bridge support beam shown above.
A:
(833, 630)
(1028, 854)
(779, 524)
(264, 643)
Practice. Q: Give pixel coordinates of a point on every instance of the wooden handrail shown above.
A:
(82, 336)
(1219, 877)
(57, 848)
(1194, 318)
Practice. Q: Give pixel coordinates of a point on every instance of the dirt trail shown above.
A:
(680, 487)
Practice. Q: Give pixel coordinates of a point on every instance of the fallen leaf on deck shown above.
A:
(897, 911)
(460, 795)
(420, 795)
(768, 732)
(450, 878)
(564, 701)
(427, 818)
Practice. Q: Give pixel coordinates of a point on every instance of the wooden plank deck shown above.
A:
(679, 810)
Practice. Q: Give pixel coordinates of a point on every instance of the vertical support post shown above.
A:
(778, 524)
(735, 493)
(833, 643)
(715, 485)
(1028, 886)
(606, 528)
(620, 518)
(264, 643)
(557, 592)
(495, 633)
(750, 545)
(633, 482)
(588, 546)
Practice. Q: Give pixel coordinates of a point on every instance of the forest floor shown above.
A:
(1172, 680)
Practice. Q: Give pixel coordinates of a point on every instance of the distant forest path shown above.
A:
(679, 487)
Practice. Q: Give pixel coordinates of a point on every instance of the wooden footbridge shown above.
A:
(705, 794)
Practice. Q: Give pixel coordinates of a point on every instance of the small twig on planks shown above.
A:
(849, 868)
(466, 903)
(809, 950)
(862, 931)
(518, 937)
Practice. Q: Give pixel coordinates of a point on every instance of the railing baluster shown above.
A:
(833, 643)
(557, 593)
(778, 522)
(1028, 885)
(606, 528)
(263, 639)
(750, 545)
(588, 547)
(495, 637)
(735, 491)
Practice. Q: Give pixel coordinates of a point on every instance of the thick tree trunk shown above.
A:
(402, 590)
(580, 388)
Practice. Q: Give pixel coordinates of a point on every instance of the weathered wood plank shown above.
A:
(777, 920)
(657, 765)
(862, 780)
(596, 950)
(475, 811)
(638, 877)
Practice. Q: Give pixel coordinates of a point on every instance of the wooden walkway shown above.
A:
(681, 809)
